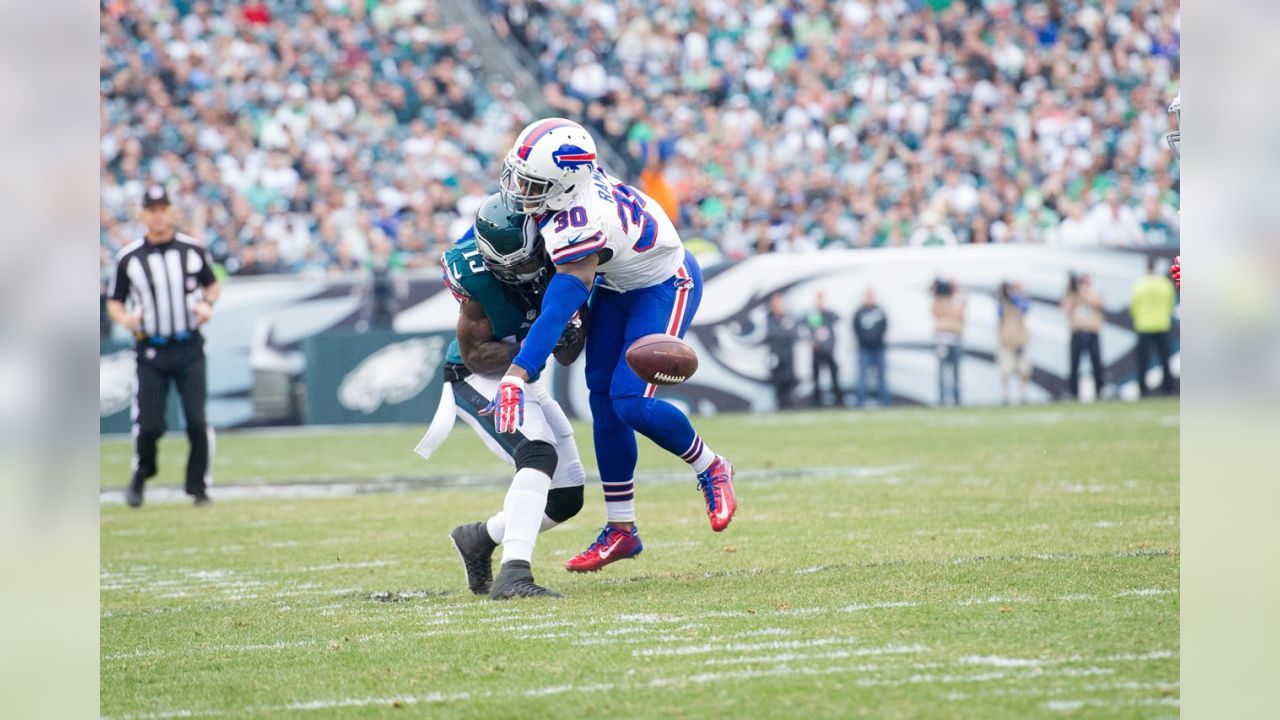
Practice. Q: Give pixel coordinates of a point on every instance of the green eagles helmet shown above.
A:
(509, 243)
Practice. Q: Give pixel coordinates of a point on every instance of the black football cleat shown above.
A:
(476, 548)
(133, 494)
(202, 500)
(515, 580)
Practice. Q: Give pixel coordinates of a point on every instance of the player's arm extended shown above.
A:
(568, 290)
(481, 353)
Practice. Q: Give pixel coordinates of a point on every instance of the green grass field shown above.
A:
(913, 563)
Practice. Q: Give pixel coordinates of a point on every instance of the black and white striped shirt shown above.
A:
(163, 281)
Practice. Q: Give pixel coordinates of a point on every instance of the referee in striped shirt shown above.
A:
(167, 281)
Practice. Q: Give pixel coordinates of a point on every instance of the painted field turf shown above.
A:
(913, 563)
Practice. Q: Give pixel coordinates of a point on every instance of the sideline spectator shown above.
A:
(1113, 223)
(948, 334)
(1083, 307)
(1011, 355)
(1151, 307)
(820, 328)
(1158, 229)
(780, 336)
(932, 232)
(870, 324)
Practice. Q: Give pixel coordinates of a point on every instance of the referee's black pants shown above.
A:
(180, 363)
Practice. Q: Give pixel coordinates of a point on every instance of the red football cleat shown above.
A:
(612, 545)
(716, 483)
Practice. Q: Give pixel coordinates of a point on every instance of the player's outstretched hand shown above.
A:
(508, 405)
(1176, 271)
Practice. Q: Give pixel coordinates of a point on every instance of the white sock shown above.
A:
(524, 505)
(497, 526)
(622, 511)
(620, 500)
(699, 456)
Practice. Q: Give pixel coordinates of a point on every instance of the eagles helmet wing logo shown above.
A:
(392, 375)
(117, 378)
(571, 157)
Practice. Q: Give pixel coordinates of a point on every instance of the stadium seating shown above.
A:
(298, 136)
(789, 126)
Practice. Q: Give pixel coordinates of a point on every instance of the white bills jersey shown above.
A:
(639, 245)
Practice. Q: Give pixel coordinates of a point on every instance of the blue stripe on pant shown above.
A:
(619, 405)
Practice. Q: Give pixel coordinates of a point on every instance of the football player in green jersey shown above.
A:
(498, 272)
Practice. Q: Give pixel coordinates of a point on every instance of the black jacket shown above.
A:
(780, 335)
(870, 325)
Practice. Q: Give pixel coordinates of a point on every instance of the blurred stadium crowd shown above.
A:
(312, 136)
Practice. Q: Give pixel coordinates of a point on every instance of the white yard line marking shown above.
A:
(780, 658)
(765, 632)
(1146, 592)
(1055, 701)
(365, 702)
(739, 647)
(947, 679)
(1073, 705)
(859, 607)
(993, 600)
(997, 661)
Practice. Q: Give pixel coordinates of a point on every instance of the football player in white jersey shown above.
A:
(600, 231)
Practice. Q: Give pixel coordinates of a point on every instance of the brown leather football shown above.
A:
(662, 359)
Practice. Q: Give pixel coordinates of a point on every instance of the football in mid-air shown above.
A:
(662, 359)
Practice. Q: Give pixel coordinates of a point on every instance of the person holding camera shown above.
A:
(1011, 353)
(1083, 307)
(948, 332)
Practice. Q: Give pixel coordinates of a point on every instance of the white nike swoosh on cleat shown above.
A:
(604, 554)
(723, 512)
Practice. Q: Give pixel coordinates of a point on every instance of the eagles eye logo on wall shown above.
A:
(301, 330)
(393, 375)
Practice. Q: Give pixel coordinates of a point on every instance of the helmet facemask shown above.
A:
(533, 270)
(1175, 138)
(524, 192)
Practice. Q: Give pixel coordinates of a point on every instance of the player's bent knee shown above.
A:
(634, 410)
(563, 503)
(537, 455)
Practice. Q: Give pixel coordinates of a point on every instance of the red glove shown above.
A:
(1176, 271)
(508, 405)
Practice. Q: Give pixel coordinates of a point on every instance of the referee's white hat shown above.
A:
(155, 195)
